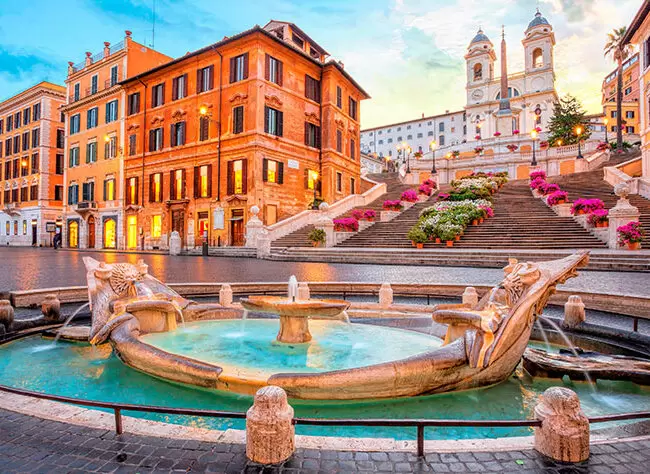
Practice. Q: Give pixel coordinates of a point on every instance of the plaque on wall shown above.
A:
(218, 219)
(293, 164)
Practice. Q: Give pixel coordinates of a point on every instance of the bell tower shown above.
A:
(538, 42)
(479, 60)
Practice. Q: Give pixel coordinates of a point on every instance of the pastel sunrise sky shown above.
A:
(408, 54)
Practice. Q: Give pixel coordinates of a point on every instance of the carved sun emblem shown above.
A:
(123, 276)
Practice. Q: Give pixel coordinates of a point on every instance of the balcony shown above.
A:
(12, 209)
(84, 207)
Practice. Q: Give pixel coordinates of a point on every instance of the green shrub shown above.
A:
(317, 235)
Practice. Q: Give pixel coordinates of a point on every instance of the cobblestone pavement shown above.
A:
(44, 268)
(29, 444)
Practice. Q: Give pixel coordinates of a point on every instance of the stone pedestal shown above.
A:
(303, 291)
(564, 434)
(225, 295)
(254, 227)
(470, 297)
(51, 308)
(562, 210)
(574, 312)
(6, 314)
(175, 244)
(270, 435)
(386, 216)
(263, 244)
(620, 214)
(385, 295)
(327, 224)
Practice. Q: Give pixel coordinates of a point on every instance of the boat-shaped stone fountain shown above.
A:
(315, 355)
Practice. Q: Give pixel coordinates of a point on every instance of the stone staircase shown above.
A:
(591, 185)
(520, 222)
(395, 188)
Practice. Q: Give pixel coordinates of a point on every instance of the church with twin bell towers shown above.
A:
(513, 102)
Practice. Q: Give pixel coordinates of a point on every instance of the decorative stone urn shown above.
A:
(385, 295)
(574, 312)
(6, 314)
(564, 434)
(254, 227)
(51, 308)
(270, 434)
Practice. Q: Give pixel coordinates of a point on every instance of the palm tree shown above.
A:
(619, 53)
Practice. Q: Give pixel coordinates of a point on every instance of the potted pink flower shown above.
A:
(497, 134)
(477, 137)
(543, 144)
(478, 150)
(357, 214)
(393, 205)
(410, 195)
(603, 146)
(631, 234)
(431, 183)
(346, 224)
(425, 190)
(599, 218)
(512, 147)
(370, 215)
(516, 132)
(538, 174)
(586, 206)
(557, 197)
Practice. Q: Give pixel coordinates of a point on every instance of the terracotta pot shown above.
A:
(634, 246)
(450, 243)
(603, 224)
(582, 212)
(371, 219)
(315, 244)
(457, 238)
(419, 245)
(438, 240)
(481, 220)
(475, 222)
(412, 244)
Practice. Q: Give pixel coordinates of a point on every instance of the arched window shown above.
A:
(538, 118)
(512, 92)
(110, 234)
(538, 58)
(478, 71)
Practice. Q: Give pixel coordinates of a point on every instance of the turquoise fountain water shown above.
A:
(78, 370)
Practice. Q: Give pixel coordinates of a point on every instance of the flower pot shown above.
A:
(457, 238)
(419, 245)
(438, 240)
(315, 244)
(481, 220)
(634, 246)
(581, 212)
(450, 243)
(475, 222)
(603, 224)
(371, 219)
(412, 244)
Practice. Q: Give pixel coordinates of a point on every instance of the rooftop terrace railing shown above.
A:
(419, 424)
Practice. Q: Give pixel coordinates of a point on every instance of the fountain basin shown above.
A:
(244, 351)
(295, 314)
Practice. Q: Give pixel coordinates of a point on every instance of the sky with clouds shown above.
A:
(408, 54)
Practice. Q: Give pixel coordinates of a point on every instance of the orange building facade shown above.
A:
(31, 165)
(630, 104)
(259, 118)
(94, 143)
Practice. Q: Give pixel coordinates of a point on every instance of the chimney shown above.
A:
(107, 49)
(70, 67)
(341, 64)
(127, 38)
(89, 60)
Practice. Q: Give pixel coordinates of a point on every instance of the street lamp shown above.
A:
(407, 151)
(578, 133)
(314, 176)
(606, 122)
(432, 147)
(533, 135)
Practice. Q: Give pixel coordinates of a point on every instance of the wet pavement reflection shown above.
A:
(28, 268)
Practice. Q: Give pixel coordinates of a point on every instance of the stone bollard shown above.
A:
(564, 434)
(270, 434)
(385, 295)
(303, 291)
(6, 314)
(574, 312)
(225, 295)
(175, 244)
(51, 308)
(620, 214)
(470, 297)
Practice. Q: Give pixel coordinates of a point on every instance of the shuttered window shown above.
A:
(109, 189)
(179, 87)
(312, 88)
(204, 128)
(339, 97)
(177, 185)
(158, 95)
(92, 117)
(203, 181)
(353, 148)
(177, 135)
(238, 119)
(91, 152)
(111, 111)
(205, 79)
(110, 148)
(88, 191)
(239, 68)
(134, 103)
(273, 70)
(36, 114)
(273, 121)
(273, 171)
(132, 191)
(35, 164)
(237, 177)
(155, 187)
(312, 135)
(74, 124)
(156, 139)
(74, 157)
(352, 106)
(133, 140)
(339, 141)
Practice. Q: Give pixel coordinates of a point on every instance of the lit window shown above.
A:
(133, 191)
(238, 173)
(312, 179)
(204, 181)
(178, 183)
(109, 190)
(156, 226)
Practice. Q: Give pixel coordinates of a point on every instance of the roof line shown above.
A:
(230, 39)
(637, 21)
(299, 30)
(411, 121)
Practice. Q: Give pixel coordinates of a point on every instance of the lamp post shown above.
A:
(315, 177)
(578, 134)
(533, 136)
(407, 151)
(606, 122)
(432, 147)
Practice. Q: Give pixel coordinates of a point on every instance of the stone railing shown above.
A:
(615, 175)
(294, 223)
(643, 187)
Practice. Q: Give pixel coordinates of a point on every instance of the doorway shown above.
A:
(237, 228)
(202, 221)
(73, 234)
(91, 232)
(34, 234)
(110, 234)
(178, 223)
(132, 232)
